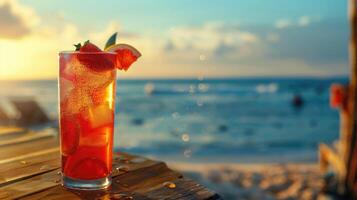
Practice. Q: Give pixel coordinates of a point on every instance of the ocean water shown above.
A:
(212, 120)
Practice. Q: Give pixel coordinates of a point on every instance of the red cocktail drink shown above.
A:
(87, 79)
(87, 92)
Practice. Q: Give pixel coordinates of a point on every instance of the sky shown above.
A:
(180, 39)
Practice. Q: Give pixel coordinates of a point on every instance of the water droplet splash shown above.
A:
(169, 184)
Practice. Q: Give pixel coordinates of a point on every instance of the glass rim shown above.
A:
(78, 52)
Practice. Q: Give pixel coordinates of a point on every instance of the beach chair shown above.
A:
(4, 118)
(29, 112)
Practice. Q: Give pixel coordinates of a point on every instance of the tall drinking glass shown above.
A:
(86, 94)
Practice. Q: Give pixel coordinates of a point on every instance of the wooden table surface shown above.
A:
(30, 169)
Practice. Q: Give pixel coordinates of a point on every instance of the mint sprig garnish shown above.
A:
(111, 41)
(78, 46)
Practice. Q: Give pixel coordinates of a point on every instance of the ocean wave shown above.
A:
(267, 88)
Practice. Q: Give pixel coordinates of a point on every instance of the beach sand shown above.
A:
(257, 181)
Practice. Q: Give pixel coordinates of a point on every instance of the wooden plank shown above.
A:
(30, 147)
(25, 137)
(184, 189)
(19, 170)
(27, 156)
(143, 179)
(31, 185)
(51, 179)
(5, 130)
(144, 182)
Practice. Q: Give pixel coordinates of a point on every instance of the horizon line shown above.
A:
(203, 77)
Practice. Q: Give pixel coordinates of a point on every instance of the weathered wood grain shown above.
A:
(25, 137)
(10, 132)
(144, 182)
(18, 170)
(31, 185)
(30, 147)
(30, 169)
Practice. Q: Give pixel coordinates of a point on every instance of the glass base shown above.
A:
(79, 184)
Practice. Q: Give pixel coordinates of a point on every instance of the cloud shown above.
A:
(16, 20)
(304, 45)
(282, 23)
(272, 37)
(323, 42)
(304, 21)
(300, 22)
(212, 37)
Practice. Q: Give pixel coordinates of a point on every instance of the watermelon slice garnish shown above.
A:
(126, 55)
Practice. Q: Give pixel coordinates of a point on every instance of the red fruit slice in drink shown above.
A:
(89, 47)
(89, 168)
(126, 55)
(69, 135)
(95, 61)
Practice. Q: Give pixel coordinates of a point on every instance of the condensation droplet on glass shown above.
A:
(57, 181)
(138, 160)
(202, 57)
(44, 167)
(185, 137)
(59, 173)
(187, 153)
(169, 184)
